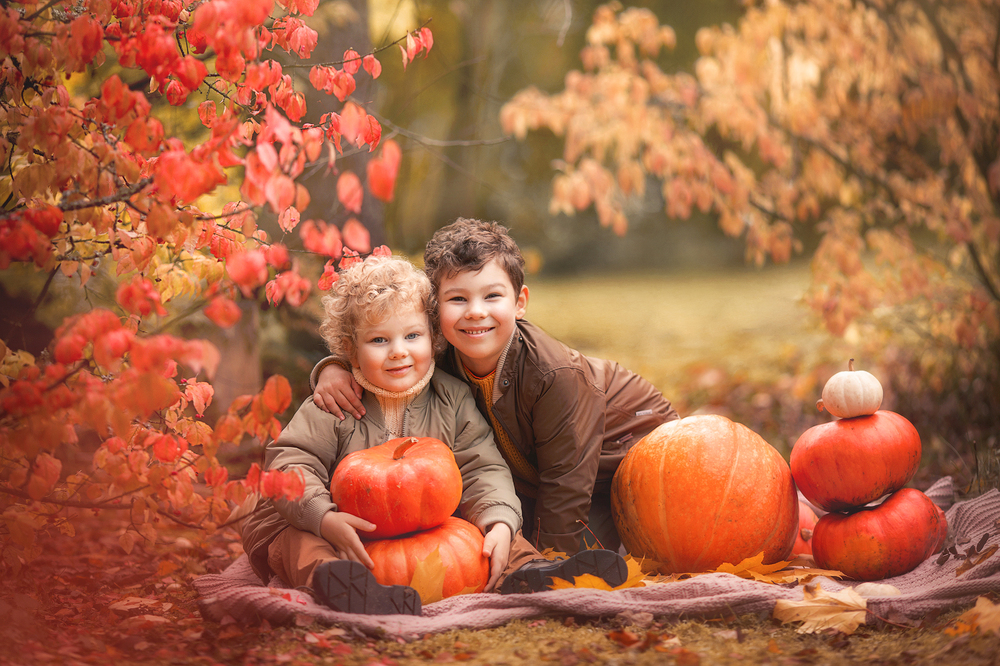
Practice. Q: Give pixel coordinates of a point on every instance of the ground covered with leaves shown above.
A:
(84, 601)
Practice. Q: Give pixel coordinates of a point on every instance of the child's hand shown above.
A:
(337, 390)
(496, 546)
(340, 529)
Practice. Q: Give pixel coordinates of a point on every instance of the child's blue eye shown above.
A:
(377, 340)
(412, 336)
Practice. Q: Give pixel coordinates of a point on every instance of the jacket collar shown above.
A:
(506, 367)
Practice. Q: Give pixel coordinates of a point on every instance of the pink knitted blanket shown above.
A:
(931, 587)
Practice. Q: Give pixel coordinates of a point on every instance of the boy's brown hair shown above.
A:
(467, 245)
(369, 293)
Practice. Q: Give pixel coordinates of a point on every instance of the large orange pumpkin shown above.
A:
(701, 491)
(404, 485)
(881, 541)
(458, 542)
(847, 463)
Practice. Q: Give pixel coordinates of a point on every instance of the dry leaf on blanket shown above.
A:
(635, 578)
(801, 575)
(842, 611)
(753, 568)
(976, 559)
(985, 617)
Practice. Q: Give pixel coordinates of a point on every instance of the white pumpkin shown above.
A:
(851, 393)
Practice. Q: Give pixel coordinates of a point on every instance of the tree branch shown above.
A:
(981, 271)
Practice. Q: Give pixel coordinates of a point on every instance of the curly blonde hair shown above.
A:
(370, 292)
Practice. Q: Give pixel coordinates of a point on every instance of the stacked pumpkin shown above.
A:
(409, 488)
(863, 455)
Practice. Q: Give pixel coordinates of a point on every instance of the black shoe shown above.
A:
(536, 576)
(349, 587)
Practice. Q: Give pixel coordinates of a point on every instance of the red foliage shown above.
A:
(98, 186)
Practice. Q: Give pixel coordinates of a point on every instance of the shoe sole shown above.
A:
(349, 587)
(605, 564)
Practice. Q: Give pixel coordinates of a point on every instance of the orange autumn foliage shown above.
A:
(93, 185)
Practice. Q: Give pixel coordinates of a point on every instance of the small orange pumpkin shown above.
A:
(701, 491)
(879, 542)
(404, 485)
(458, 542)
(851, 393)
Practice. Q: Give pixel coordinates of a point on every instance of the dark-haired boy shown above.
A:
(563, 421)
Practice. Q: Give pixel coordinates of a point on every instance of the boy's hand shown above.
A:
(496, 546)
(336, 390)
(340, 529)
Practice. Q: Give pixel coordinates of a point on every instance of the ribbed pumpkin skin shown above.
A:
(852, 393)
(845, 464)
(460, 544)
(417, 491)
(882, 541)
(701, 491)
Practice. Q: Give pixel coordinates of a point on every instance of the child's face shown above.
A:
(396, 353)
(478, 310)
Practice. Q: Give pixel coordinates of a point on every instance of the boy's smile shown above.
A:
(478, 310)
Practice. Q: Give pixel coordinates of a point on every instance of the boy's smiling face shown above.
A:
(478, 310)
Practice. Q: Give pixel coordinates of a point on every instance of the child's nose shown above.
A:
(397, 351)
(475, 310)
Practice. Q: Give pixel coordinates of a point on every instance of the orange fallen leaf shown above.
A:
(984, 617)
(973, 561)
(635, 578)
(753, 568)
(428, 578)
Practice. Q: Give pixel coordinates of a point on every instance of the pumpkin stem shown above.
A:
(850, 365)
(404, 447)
(806, 533)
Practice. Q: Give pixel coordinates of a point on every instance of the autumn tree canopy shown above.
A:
(872, 124)
(96, 185)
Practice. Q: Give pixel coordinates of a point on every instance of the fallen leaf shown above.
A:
(635, 578)
(589, 581)
(129, 604)
(428, 578)
(819, 610)
(801, 575)
(985, 616)
(753, 568)
(970, 562)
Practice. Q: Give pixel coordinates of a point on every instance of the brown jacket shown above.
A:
(314, 442)
(573, 418)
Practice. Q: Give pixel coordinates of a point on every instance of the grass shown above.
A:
(661, 326)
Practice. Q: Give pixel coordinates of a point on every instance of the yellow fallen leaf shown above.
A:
(985, 616)
(753, 568)
(635, 578)
(842, 611)
(428, 578)
(589, 581)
